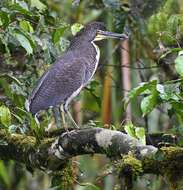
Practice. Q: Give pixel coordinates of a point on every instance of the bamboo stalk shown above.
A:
(126, 78)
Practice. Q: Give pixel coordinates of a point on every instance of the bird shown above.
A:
(71, 72)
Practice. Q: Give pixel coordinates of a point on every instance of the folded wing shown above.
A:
(57, 85)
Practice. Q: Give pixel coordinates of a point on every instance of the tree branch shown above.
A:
(52, 153)
(98, 140)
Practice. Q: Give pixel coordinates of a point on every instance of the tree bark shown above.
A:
(52, 153)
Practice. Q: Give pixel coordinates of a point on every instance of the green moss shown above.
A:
(63, 179)
(129, 161)
(172, 165)
(23, 140)
(168, 163)
(172, 150)
(128, 168)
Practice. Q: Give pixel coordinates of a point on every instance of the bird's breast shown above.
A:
(94, 60)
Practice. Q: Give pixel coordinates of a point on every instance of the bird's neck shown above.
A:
(78, 44)
(86, 49)
(97, 51)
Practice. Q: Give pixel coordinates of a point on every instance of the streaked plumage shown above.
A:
(71, 72)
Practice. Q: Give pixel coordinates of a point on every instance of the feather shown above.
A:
(57, 84)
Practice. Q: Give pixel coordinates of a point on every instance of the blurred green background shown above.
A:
(33, 33)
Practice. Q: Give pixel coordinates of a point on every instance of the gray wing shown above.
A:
(57, 85)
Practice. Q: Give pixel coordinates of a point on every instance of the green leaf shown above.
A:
(75, 28)
(179, 63)
(26, 26)
(64, 44)
(5, 85)
(24, 42)
(4, 19)
(111, 3)
(148, 103)
(27, 35)
(130, 129)
(6, 75)
(16, 89)
(140, 133)
(4, 174)
(35, 126)
(90, 186)
(58, 33)
(173, 23)
(5, 116)
(139, 90)
(169, 52)
(177, 108)
(23, 4)
(21, 9)
(169, 92)
(19, 119)
(38, 4)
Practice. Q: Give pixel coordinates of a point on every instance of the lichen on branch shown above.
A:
(52, 153)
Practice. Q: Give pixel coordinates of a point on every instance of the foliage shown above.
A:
(136, 132)
(166, 25)
(33, 33)
(178, 64)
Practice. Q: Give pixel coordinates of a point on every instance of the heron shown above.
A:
(71, 72)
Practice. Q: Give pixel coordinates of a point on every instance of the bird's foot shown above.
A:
(68, 133)
(66, 127)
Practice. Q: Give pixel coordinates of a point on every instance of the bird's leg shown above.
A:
(63, 118)
(56, 113)
(70, 116)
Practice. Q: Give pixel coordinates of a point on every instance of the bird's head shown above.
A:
(96, 31)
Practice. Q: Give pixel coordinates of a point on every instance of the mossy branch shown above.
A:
(52, 153)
